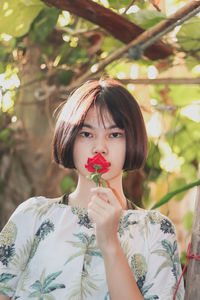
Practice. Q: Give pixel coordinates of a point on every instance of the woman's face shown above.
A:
(104, 137)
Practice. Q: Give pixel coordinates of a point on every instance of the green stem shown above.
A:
(168, 196)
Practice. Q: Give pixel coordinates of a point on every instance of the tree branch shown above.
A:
(116, 24)
(141, 39)
(162, 81)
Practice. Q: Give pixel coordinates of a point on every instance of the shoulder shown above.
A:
(160, 222)
(31, 211)
(30, 204)
(152, 221)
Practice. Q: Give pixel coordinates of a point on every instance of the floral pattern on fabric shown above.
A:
(83, 217)
(4, 288)
(45, 228)
(166, 226)
(85, 246)
(124, 224)
(139, 268)
(45, 286)
(7, 243)
(55, 254)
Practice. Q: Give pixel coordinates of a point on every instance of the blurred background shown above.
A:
(45, 51)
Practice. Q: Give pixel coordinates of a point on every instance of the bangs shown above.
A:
(107, 109)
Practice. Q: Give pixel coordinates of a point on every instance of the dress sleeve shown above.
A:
(164, 268)
(16, 241)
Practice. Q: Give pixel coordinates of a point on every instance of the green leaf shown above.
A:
(17, 16)
(103, 183)
(2, 67)
(183, 95)
(175, 184)
(147, 18)
(35, 294)
(96, 180)
(77, 254)
(44, 24)
(170, 195)
(97, 167)
(110, 44)
(152, 165)
(188, 220)
(5, 277)
(75, 55)
(5, 134)
(49, 297)
(67, 184)
(65, 76)
(37, 286)
(192, 61)
(54, 287)
(50, 278)
(183, 257)
(5, 290)
(189, 171)
(189, 35)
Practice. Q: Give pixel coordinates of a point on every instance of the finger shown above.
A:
(108, 193)
(96, 199)
(96, 214)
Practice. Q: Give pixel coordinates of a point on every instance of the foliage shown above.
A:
(69, 46)
(68, 184)
(17, 16)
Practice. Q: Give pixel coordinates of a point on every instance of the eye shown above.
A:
(86, 134)
(115, 134)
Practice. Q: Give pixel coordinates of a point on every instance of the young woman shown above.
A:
(93, 243)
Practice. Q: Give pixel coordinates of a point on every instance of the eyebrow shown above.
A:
(92, 127)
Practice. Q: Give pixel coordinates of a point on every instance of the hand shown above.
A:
(104, 210)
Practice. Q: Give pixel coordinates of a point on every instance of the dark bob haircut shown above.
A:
(105, 94)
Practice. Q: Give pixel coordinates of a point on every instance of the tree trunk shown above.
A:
(193, 271)
(28, 169)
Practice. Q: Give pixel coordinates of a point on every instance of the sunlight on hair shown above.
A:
(192, 112)
(169, 162)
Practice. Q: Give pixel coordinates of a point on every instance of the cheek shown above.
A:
(76, 153)
(79, 155)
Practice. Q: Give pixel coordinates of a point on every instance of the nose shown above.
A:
(100, 146)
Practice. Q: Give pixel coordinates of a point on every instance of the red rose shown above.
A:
(97, 164)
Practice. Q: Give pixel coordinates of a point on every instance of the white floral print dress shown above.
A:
(48, 251)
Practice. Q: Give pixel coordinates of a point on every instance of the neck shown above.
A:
(82, 194)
